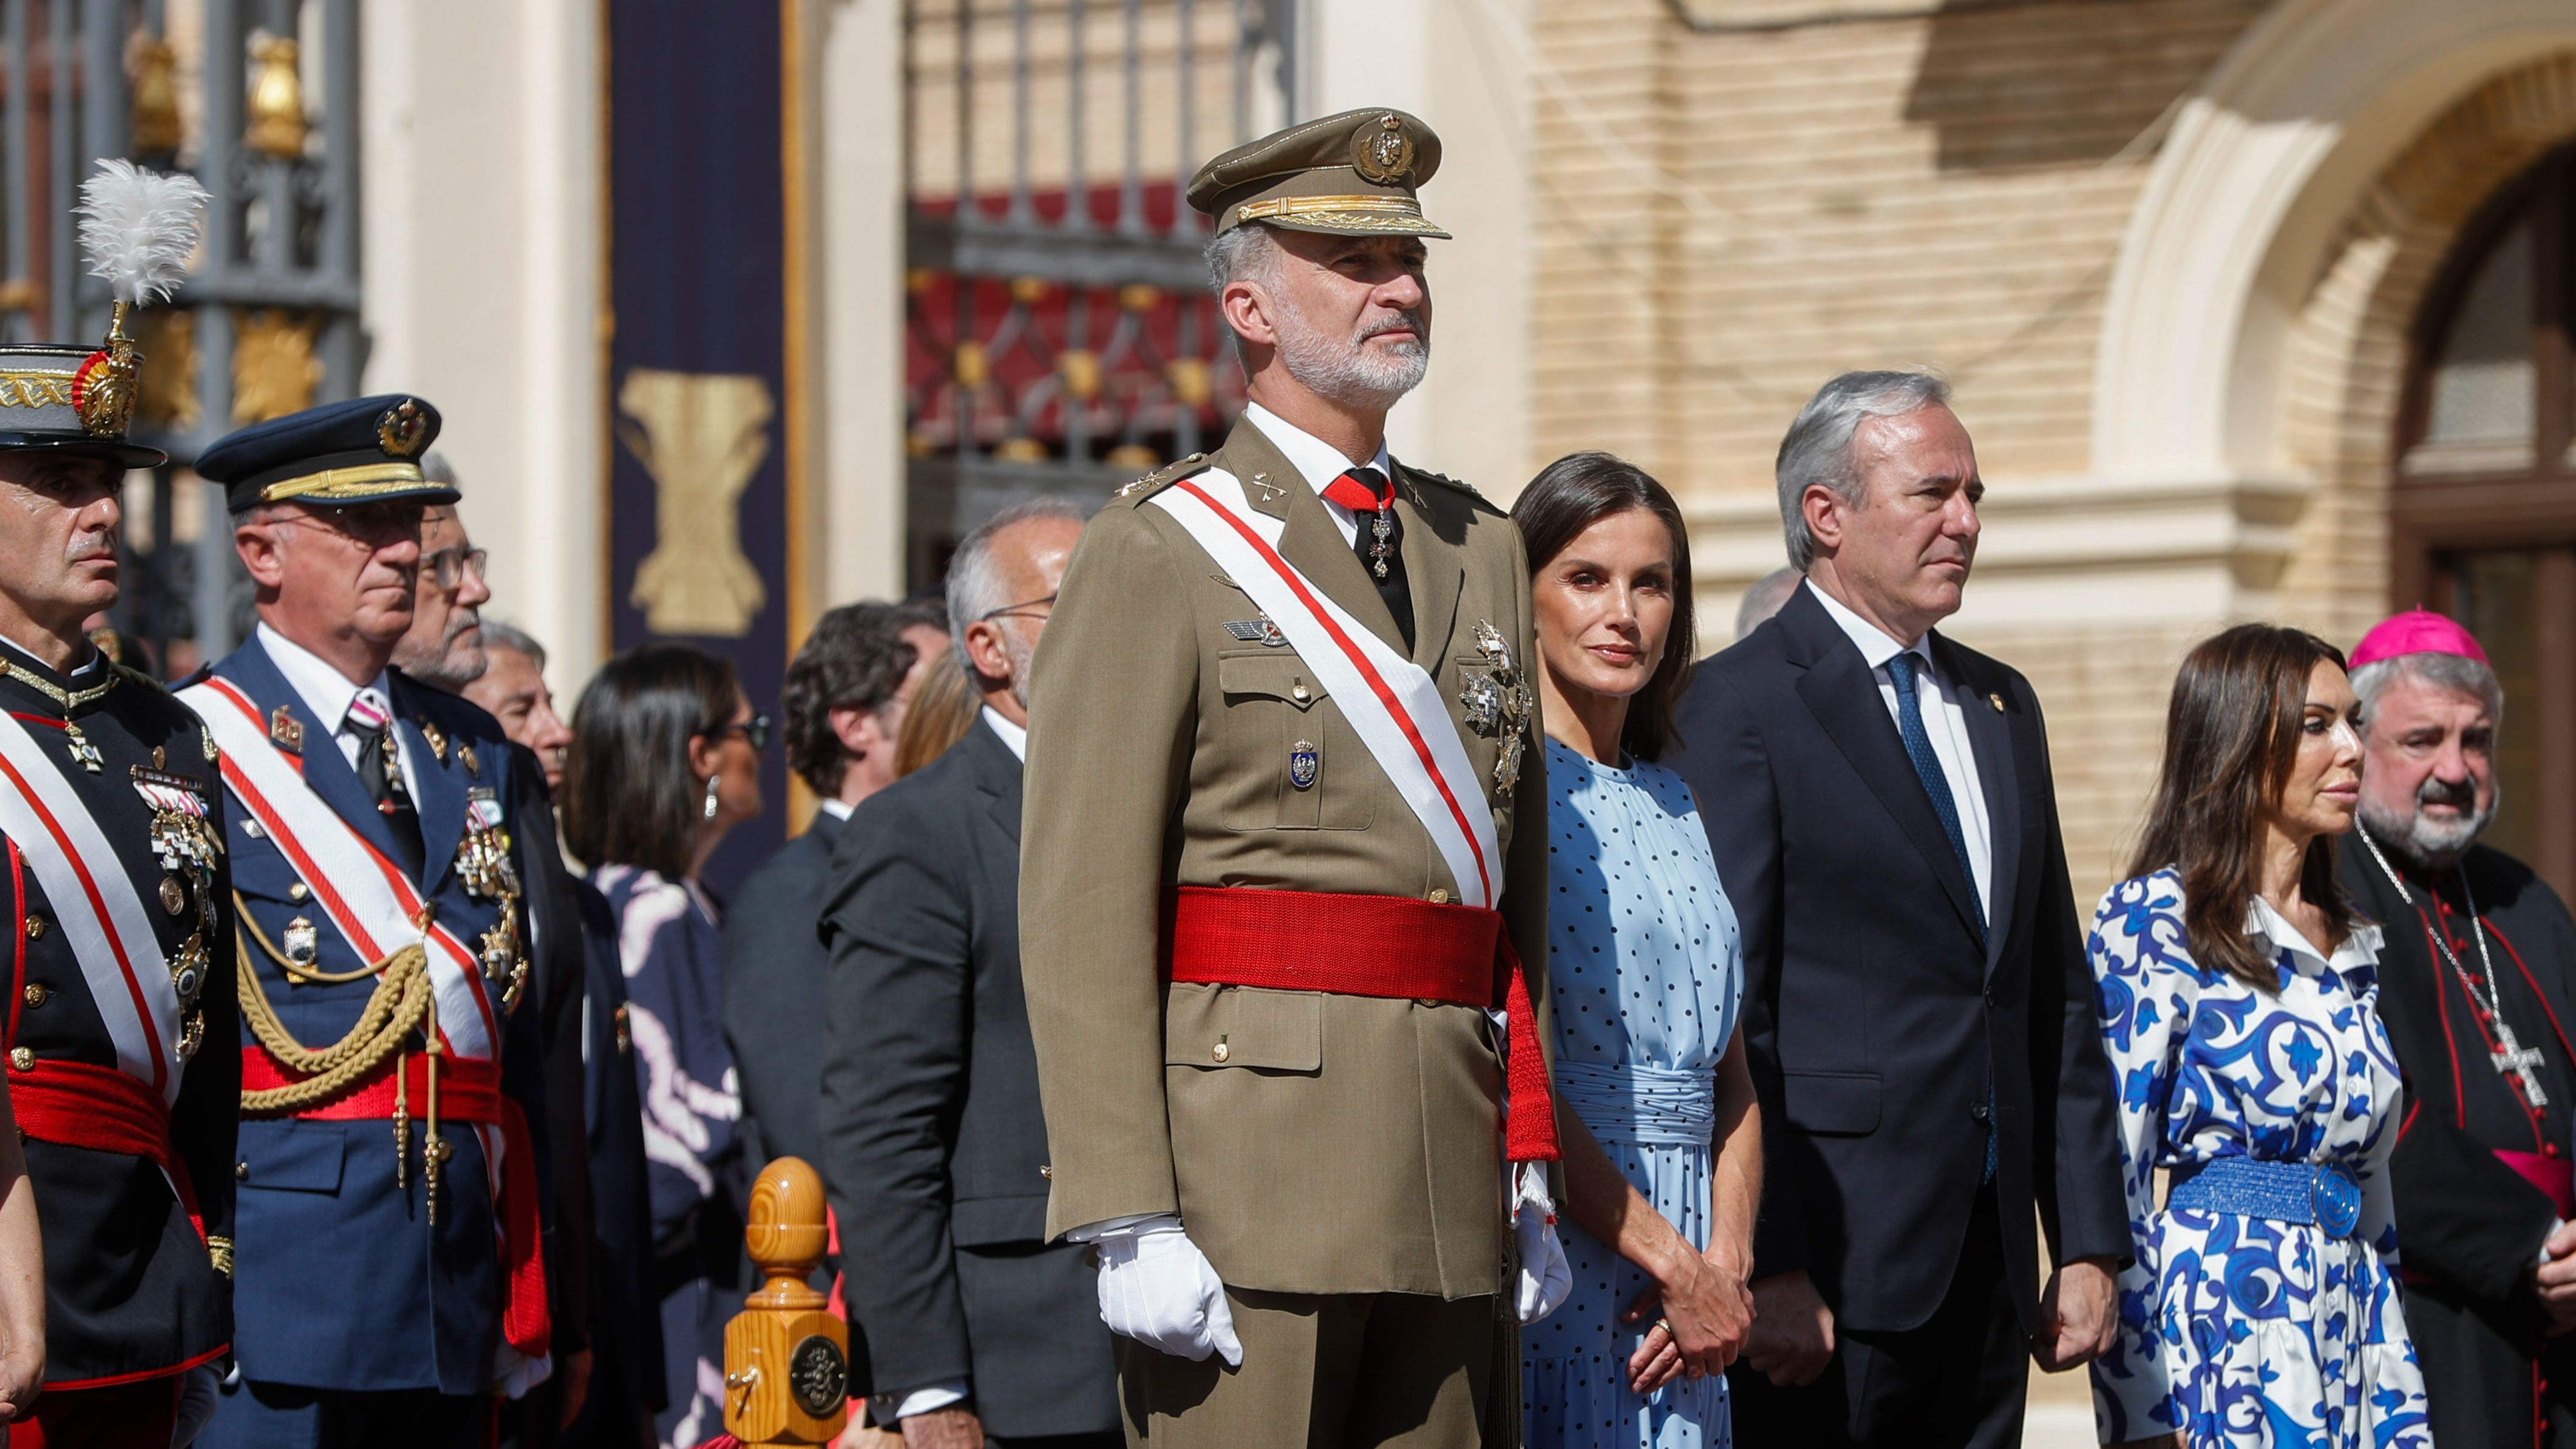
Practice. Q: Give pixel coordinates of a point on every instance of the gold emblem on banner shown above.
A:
(701, 436)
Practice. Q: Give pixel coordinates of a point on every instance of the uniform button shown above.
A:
(297, 892)
(1046, 1172)
(35, 927)
(1440, 895)
(241, 1172)
(22, 1059)
(1219, 1052)
(36, 994)
(1301, 694)
(1978, 1111)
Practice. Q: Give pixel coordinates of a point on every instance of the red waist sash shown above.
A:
(1304, 941)
(469, 1090)
(75, 1104)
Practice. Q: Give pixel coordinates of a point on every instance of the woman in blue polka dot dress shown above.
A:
(1663, 1154)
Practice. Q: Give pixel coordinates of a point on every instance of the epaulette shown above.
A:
(1447, 482)
(132, 675)
(1168, 473)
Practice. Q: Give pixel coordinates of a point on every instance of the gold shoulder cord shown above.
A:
(404, 1000)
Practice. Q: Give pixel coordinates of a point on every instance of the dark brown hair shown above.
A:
(856, 658)
(629, 797)
(1572, 494)
(2231, 737)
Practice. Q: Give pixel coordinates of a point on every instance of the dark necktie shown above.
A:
(1379, 542)
(1905, 669)
(370, 721)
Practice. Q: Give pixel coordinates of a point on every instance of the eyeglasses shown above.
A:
(754, 731)
(450, 565)
(1018, 610)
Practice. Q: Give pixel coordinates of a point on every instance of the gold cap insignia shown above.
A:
(1382, 152)
(402, 429)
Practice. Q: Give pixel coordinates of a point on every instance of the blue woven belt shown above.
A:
(2324, 1194)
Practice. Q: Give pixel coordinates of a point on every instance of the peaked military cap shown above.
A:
(69, 400)
(1352, 174)
(365, 450)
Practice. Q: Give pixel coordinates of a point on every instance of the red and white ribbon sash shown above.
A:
(95, 906)
(1392, 704)
(376, 908)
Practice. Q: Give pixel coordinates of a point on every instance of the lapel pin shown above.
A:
(473, 766)
(437, 739)
(1269, 490)
(1997, 701)
(285, 731)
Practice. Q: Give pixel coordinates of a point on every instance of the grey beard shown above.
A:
(1347, 372)
(2420, 844)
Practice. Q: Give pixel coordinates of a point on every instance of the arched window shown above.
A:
(2483, 505)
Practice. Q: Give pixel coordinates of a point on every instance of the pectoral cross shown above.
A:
(2518, 1059)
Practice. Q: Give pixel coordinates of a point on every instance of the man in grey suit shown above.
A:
(839, 712)
(934, 1145)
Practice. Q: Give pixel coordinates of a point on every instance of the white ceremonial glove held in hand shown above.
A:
(1545, 1280)
(1157, 1288)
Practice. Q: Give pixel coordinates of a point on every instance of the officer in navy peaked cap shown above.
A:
(119, 1030)
(390, 1207)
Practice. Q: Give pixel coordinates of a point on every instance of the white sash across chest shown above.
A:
(1392, 703)
(95, 906)
(375, 907)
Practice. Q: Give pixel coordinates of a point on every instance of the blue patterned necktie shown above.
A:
(1905, 669)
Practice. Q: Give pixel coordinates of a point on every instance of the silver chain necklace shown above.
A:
(2512, 1056)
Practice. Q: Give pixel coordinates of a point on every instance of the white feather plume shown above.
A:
(138, 228)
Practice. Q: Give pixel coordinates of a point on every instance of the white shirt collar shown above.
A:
(837, 809)
(1317, 461)
(324, 689)
(1876, 644)
(97, 657)
(1016, 736)
(2361, 948)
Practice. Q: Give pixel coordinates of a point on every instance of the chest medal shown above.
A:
(1498, 703)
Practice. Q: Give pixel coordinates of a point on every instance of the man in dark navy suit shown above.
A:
(389, 1219)
(1918, 1007)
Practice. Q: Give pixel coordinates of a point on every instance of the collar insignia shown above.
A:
(285, 731)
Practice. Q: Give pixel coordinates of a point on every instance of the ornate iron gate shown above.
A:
(1059, 335)
(268, 320)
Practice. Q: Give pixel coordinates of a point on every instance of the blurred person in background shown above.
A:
(665, 761)
(626, 1375)
(943, 709)
(839, 712)
(2237, 1003)
(1763, 598)
(2477, 984)
(1662, 1136)
(935, 1145)
(444, 650)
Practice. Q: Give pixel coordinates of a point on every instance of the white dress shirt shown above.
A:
(80, 676)
(1016, 736)
(327, 693)
(1317, 461)
(836, 808)
(1944, 721)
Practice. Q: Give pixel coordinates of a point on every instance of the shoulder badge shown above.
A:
(1445, 481)
(1160, 476)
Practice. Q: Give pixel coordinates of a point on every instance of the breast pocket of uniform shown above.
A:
(1319, 777)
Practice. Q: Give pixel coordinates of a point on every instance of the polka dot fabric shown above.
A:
(1645, 975)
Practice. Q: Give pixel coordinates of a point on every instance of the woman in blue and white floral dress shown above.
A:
(1663, 1153)
(2239, 1006)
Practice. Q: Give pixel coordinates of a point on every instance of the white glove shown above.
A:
(199, 1393)
(1545, 1280)
(1157, 1288)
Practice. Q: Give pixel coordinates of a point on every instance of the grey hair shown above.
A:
(1245, 253)
(2444, 671)
(1765, 598)
(434, 468)
(500, 635)
(976, 586)
(1817, 450)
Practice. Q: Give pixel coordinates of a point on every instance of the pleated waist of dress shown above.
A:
(1643, 1105)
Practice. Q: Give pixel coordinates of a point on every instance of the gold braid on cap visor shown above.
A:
(364, 481)
(1376, 213)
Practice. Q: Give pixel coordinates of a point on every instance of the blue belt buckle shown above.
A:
(2336, 1198)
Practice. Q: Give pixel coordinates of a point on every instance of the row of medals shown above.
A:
(183, 841)
(1498, 703)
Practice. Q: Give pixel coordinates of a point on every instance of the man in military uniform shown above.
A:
(1284, 850)
(119, 1029)
(388, 1175)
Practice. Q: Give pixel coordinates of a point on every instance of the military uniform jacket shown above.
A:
(1311, 1143)
(343, 1282)
(131, 1288)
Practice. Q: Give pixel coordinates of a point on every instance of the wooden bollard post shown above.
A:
(787, 1373)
